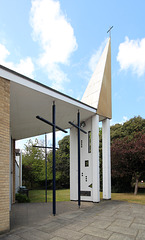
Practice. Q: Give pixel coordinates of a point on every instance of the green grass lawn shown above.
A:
(129, 197)
(64, 195)
(39, 195)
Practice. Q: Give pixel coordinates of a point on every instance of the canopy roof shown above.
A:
(29, 98)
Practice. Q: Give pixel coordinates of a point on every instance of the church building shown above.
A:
(22, 99)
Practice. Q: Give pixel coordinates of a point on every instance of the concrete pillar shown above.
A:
(4, 154)
(73, 165)
(20, 169)
(95, 158)
(106, 159)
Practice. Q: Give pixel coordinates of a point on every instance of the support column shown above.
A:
(73, 165)
(4, 154)
(95, 158)
(106, 159)
(20, 167)
(13, 146)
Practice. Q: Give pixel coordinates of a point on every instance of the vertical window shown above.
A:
(89, 142)
(81, 143)
(86, 163)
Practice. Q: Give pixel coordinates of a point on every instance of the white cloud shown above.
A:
(124, 119)
(55, 36)
(25, 66)
(4, 53)
(57, 76)
(96, 56)
(132, 55)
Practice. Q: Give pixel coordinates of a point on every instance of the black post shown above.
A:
(79, 159)
(54, 140)
(45, 167)
(54, 195)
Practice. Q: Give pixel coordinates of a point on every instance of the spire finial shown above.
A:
(109, 31)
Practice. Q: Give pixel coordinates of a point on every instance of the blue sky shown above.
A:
(54, 43)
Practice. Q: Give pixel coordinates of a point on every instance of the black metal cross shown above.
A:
(79, 155)
(54, 126)
(109, 31)
(45, 164)
(45, 147)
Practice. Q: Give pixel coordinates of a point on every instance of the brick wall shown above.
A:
(4, 153)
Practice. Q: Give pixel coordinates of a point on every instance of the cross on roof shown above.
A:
(109, 31)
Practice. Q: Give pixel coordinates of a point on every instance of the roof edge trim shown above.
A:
(41, 85)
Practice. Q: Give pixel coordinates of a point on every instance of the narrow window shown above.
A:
(89, 142)
(81, 143)
(86, 163)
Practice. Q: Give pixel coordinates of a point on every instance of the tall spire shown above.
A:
(98, 91)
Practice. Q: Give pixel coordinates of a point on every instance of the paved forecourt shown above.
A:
(112, 220)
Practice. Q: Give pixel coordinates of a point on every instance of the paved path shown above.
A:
(112, 220)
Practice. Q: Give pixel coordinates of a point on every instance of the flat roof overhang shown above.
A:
(29, 98)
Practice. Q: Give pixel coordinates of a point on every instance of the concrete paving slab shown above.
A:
(94, 231)
(123, 230)
(11, 237)
(141, 235)
(50, 227)
(57, 238)
(100, 224)
(109, 213)
(35, 234)
(68, 234)
(89, 237)
(118, 236)
(121, 223)
(76, 226)
(138, 226)
(105, 218)
(111, 220)
(122, 215)
(140, 219)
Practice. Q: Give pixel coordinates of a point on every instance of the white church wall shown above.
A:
(90, 179)
(86, 162)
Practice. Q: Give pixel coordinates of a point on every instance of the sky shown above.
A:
(59, 42)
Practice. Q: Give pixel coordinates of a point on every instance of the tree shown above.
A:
(32, 164)
(128, 158)
(62, 164)
(129, 128)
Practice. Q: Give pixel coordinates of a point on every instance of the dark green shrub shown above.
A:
(22, 198)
